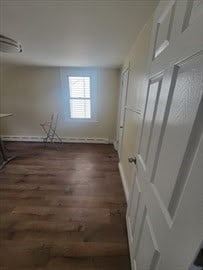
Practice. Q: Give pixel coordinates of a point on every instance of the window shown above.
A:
(79, 87)
(79, 97)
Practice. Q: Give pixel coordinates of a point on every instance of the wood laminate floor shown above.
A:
(62, 209)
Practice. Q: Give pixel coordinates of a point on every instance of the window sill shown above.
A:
(81, 120)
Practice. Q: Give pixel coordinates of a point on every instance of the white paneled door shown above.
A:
(123, 97)
(165, 211)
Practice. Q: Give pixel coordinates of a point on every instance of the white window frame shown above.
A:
(79, 72)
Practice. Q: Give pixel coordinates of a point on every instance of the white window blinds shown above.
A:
(80, 97)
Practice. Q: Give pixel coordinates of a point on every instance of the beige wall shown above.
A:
(33, 93)
(137, 59)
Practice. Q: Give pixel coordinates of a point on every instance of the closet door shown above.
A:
(123, 96)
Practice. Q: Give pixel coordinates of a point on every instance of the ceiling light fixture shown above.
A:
(9, 45)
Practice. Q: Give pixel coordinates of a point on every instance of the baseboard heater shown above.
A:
(64, 139)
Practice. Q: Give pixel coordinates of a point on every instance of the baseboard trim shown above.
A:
(124, 182)
(64, 139)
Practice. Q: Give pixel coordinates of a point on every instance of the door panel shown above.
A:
(148, 253)
(179, 241)
(184, 106)
(166, 94)
(163, 29)
(194, 9)
(138, 225)
(133, 209)
(164, 221)
(187, 162)
(132, 84)
(150, 112)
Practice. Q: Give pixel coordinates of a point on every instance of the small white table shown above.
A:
(5, 157)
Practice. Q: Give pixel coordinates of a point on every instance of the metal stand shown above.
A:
(6, 159)
(49, 129)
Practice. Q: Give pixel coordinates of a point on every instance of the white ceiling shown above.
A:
(73, 33)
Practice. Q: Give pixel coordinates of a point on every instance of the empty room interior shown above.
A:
(101, 135)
